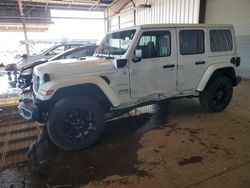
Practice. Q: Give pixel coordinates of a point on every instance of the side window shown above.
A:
(155, 44)
(146, 39)
(91, 51)
(59, 49)
(75, 54)
(84, 52)
(221, 40)
(191, 42)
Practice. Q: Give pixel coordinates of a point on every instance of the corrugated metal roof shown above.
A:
(69, 4)
(37, 12)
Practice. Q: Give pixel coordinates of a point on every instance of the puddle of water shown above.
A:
(12, 178)
(114, 154)
(191, 160)
(158, 118)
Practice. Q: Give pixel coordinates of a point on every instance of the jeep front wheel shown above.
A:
(217, 94)
(75, 123)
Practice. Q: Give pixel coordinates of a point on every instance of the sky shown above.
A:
(61, 29)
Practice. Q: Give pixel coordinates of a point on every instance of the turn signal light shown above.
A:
(49, 92)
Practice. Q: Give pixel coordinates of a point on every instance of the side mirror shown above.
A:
(120, 63)
(138, 55)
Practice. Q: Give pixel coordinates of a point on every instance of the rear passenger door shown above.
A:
(192, 58)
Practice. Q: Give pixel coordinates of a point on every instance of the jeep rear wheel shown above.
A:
(217, 94)
(75, 123)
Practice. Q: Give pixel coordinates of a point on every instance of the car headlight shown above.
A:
(46, 78)
(27, 72)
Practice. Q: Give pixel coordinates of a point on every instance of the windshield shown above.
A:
(115, 43)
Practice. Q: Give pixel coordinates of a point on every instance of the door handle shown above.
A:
(168, 66)
(200, 62)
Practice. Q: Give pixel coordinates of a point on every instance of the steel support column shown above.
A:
(24, 26)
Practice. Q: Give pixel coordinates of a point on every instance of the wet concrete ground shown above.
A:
(177, 146)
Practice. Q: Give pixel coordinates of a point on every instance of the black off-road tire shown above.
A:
(217, 94)
(75, 123)
(39, 155)
(41, 152)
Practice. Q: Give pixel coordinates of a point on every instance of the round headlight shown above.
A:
(46, 78)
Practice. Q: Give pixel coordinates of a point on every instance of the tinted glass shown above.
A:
(192, 42)
(91, 51)
(221, 40)
(75, 54)
(155, 44)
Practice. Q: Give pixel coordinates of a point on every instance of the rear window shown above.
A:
(192, 42)
(221, 40)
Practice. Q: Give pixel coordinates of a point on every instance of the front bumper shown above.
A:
(31, 108)
(26, 94)
(28, 110)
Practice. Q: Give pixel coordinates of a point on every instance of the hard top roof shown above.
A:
(158, 26)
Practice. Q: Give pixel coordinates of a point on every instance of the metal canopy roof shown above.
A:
(37, 12)
(10, 27)
(63, 4)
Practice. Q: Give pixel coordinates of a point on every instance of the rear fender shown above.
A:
(227, 69)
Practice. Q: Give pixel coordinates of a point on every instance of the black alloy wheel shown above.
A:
(217, 94)
(78, 124)
(75, 123)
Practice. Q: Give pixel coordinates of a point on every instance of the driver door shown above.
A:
(154, 74)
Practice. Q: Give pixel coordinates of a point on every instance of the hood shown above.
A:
(30, 60)
(33, 64)
(73, 67)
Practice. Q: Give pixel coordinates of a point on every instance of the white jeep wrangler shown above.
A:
(133, 67)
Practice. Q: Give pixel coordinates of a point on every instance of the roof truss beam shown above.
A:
(117, 6)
